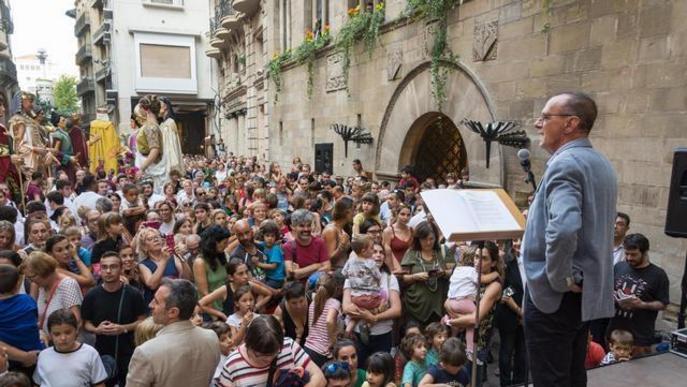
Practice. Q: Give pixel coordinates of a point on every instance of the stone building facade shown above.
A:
(630, 55)
(8, 70)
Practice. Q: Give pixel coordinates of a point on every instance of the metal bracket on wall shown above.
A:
(499, 131)
(357, 135)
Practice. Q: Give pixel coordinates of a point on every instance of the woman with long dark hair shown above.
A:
(209, 270)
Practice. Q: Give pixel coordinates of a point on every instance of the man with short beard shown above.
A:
(641, 291)
(112, 311)
(306, 254)
(247, 251)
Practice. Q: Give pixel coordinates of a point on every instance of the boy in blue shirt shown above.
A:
(274, 267)
(450, 370)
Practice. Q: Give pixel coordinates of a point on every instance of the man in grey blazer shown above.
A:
(181, 355)
(567, 247)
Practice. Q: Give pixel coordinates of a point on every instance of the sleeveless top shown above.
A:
(170, 272)
(398, 245)
(215, 280)
(290, 326)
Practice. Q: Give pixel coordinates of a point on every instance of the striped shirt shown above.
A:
(238, 372)
(318, 334)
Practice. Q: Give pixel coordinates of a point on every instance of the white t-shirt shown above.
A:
(81, 367)
(66, 295)
(463, 283)
(618, 254)
(154, 199)
(389, 284)
(86, 199)
(167, 228)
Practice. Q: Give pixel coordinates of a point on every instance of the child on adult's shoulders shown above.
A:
(450, 370)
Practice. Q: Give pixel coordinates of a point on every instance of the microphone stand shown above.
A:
(530, 176)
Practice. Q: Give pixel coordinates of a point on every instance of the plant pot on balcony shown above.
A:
(249, 7)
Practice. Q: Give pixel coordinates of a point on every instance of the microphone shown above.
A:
(524, 156)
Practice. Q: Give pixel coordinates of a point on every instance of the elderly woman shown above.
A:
(55, 290)
(157, 263)
(489, 262)
(426, 271)
(149, 156)
(267, 353)
(381, 324)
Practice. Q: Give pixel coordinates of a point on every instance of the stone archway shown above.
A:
(437, 147)
(412, 103)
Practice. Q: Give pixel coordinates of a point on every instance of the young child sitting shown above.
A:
(414, 347)
(337, 373)
(364, 277)
(450, 370)
(68, 362)
(132, 208)
(19, 322)
(244, 304)
(436, 334)
(223, 333)
(380, 370)
(412, 327)
(463, 290)
(620, 347)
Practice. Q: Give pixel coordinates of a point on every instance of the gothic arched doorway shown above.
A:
(434, 147)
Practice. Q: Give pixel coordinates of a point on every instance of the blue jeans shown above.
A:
(557, 343)
(378, 343)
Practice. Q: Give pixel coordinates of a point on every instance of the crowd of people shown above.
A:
(227, 271)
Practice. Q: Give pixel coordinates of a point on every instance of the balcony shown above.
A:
(6, 23)
(222, 33)
(103, 73)
(213, 52)
(216, 42)
(8, 72)
(81, 24)
(102, 35)
(86, 85)
(249, 7)
(83, 54)
(231, 22)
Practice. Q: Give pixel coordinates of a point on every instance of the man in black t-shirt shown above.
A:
(112, 311)
(641, 291)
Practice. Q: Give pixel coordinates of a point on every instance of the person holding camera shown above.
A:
(426, 271)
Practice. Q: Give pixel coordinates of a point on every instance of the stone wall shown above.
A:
(630, 55)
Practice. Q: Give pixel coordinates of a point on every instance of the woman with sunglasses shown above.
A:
(265, 356)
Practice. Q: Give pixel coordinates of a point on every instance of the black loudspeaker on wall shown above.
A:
(676, 217)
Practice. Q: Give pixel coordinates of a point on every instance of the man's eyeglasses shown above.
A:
(334, 367)
(546, 117)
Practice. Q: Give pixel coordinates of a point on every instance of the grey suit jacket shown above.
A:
(181, 355)
(570, 230)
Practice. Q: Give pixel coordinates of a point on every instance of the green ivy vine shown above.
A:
(360, 26)
(303, 54)
(437, 11)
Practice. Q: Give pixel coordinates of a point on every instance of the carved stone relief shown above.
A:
(335, 76)
(485, 41)
(394, 59)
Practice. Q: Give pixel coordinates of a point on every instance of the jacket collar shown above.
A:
(579, 143)
(175, 327)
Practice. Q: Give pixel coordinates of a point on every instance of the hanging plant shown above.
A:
(274, 71)
(360, 26)
(442, 57)
(305, 53)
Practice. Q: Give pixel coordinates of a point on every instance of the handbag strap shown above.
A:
(119, 319)
(48, 301)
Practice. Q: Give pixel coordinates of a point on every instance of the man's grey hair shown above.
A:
(104, 205)
(583, 106)
(183, 295)
(301, 216)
